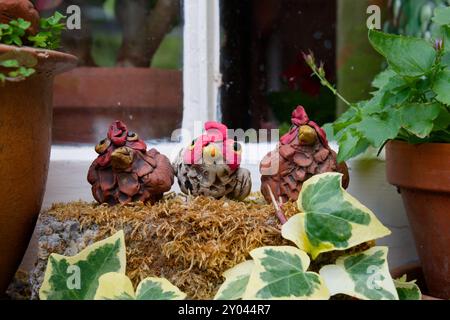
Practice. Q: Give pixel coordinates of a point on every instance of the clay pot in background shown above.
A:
(25, 140)
(413, 271)
(422, 174)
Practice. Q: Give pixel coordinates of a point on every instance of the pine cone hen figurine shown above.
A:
(302, 153)
(126, 172)
(210, 166)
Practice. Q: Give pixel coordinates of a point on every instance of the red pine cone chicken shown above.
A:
(126, 172)
(302, 153)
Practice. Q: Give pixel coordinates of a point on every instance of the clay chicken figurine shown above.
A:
(126, 172)
(302, 153)
(210, 166)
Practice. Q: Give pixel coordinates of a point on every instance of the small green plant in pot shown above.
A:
(409, 113)
(28, 65)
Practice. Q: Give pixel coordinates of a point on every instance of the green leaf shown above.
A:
(24, 59)
(158, 289)
(77, 277)
(442, 86)
(442, 122)
(445, 36)
(407, 290)
(281, 273)
(418, 119)
(378, 130)
(330, 218)
(442, 16)
(26, 72)
(383, 78)
(114, 286)
(10, 63)
(329, 131)
(351, 144)
(22, 24)
(363, 275)
(236, 281)
(407, 56)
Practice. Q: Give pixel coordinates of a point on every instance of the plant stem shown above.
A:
(327, 84)
(279, 212)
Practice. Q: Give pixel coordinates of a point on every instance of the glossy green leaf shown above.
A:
(281, 273)
(407, 56)
(363, 275)
(330, 218)
(236, 281)
(77, 277)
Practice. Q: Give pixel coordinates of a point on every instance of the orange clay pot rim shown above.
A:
(443, 144)
(48, 60)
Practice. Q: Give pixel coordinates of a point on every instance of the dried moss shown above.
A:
(190, 241)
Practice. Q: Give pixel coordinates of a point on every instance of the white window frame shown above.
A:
(201, 62)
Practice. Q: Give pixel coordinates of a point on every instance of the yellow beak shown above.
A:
(211, 151)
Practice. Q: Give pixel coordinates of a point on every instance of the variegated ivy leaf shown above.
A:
(158, 289)
(407, 290)
(114, 286)
(236, 282)
(117, 286)
(281, 273)
(363, 275)
(330, 218)
(76, 278)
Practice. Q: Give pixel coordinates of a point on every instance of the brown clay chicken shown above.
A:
(126, 172)
(302, 153)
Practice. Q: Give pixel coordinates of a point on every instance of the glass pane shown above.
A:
(264, 74)
(130, 66)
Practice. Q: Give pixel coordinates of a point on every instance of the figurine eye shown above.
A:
(102, 146)
(237, 147)
(192, 145)
(132, 136)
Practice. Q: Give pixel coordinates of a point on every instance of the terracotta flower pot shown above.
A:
(25, 140)
(422, 174)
